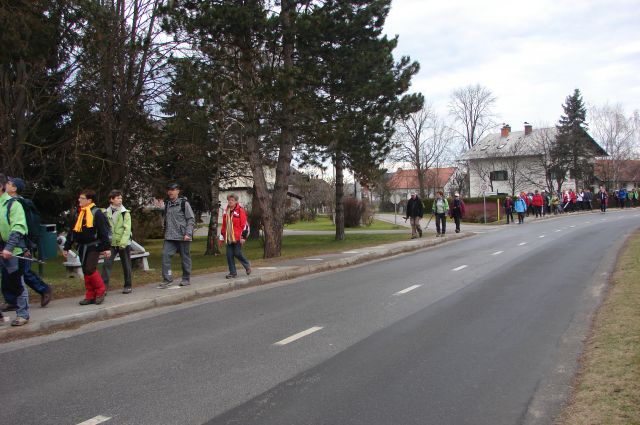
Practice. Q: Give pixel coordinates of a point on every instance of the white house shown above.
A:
(515, 161)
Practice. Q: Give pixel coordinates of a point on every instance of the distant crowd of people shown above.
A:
(97, 234)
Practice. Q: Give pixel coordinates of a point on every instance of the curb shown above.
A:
(109, 312)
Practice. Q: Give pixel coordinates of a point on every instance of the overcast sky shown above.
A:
(531, 55)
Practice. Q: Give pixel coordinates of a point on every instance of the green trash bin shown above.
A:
(48, 241)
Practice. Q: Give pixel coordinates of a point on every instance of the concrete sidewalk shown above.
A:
(64, 313)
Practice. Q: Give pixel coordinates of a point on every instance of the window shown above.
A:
(498, 176)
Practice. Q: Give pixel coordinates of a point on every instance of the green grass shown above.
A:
(292, 247)
(324, 223)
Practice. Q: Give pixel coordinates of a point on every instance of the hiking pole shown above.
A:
(35, 260)
(430, 218)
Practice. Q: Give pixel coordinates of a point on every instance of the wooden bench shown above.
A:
(138, 259)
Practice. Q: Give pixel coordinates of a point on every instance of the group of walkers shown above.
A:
(104, 233)
(440, 208)
(543, 203)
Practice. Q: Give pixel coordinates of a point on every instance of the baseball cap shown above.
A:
(18, 182)
(173, 185)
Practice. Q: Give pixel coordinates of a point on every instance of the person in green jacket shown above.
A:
(13, 228)
(440, 207)
(120, 221)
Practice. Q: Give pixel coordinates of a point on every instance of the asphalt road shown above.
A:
(486, 330)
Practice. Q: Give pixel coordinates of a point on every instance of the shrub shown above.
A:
(147, 224)
(353, 211)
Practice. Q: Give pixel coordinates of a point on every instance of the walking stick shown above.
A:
(430, 218)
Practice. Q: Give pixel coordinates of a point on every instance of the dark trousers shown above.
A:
(509, 213)
(89, 257)
(234, 250)
(456, 219)
(31, 279)
(520, 217)
(441, 223)
(125, 259)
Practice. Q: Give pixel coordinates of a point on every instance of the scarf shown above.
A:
(86, 211)
(231, 237)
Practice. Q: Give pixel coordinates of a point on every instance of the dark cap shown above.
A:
(173, 185)
(18, 182)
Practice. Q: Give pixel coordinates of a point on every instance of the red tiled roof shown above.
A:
(408, 179)
(627, 170)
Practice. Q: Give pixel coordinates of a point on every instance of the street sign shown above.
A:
(395, 198)
(483, 187)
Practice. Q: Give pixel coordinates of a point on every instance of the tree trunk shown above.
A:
(214, 211)
(255, 219)
(339, 214)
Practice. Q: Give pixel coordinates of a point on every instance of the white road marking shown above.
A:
(497, 252)
(409, 289)
(298, 336)
(314, 259)
(459, 268)
(95, 420)
(558, 230)
(541, 236)
(573, 225)
(522, 243)
(587, 222)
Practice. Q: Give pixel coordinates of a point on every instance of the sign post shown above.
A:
(484, 200)
(395, 198)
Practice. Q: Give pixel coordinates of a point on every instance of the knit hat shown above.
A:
(18, 183)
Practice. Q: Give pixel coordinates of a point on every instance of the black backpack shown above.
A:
(32, 217)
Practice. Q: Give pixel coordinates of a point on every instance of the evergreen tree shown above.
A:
(573, 151)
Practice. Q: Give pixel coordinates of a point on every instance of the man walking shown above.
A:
(520, 206)
(13, 228)
(179, 222)
(91, 232)
(439, 208)
(508, 208)
(415, 211)
(14, 187)
(456, 211)
(120, 222)
(603, 198)
(234, 232)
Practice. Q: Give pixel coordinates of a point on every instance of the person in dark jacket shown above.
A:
(456, 210)
(603, 198)
(92, 234)
(415, 211)
(508, 208)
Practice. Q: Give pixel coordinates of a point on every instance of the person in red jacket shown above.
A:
(234, 232)
(538, 202)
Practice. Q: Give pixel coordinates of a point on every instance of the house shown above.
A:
(405, 182)
(614, 174)
(514, 161)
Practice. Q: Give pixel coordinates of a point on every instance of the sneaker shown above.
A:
(46, 298)
(127, 290)
(185, 282)
(419, 232)
(19, 321)
(437, 235)
(248, 271)
(100, 300)
(231, 276)
(87, 302)
(457, 230)
(165, 284)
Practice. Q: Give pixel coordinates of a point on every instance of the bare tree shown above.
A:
(544, 142)
(470, 107)
(421, 140)
(517, 165)
(618, 134)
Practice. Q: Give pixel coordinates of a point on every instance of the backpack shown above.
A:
(32, 217)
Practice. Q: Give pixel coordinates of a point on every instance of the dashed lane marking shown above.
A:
(409, 289)
(522, 243)
(298, 336)
(541, 236)
(497, 252)
(459, 268)
(95, 420)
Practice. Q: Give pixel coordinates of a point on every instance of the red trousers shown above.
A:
(94, 285)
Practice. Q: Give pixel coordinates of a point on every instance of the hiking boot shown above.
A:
(45, 298)
(100, 299)
(419, 232)
(166, 284)
(19, 321)
(185, 282)
(231, 276)
(87, 302)
(248, 271)
(457, 230)
(127, 290)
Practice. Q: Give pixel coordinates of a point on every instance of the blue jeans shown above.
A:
(31, 279)
(235, 250)
(13, 285)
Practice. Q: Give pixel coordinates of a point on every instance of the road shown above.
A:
(486, 330)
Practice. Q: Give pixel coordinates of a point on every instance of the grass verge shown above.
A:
(292, 247)
(325, 223)
(607, 389)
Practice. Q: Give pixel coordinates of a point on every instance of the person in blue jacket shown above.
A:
(520, 207)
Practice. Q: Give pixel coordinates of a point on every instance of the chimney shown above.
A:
(528, 128)
(505, 130)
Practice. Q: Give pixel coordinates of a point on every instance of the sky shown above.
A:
(531, 55)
